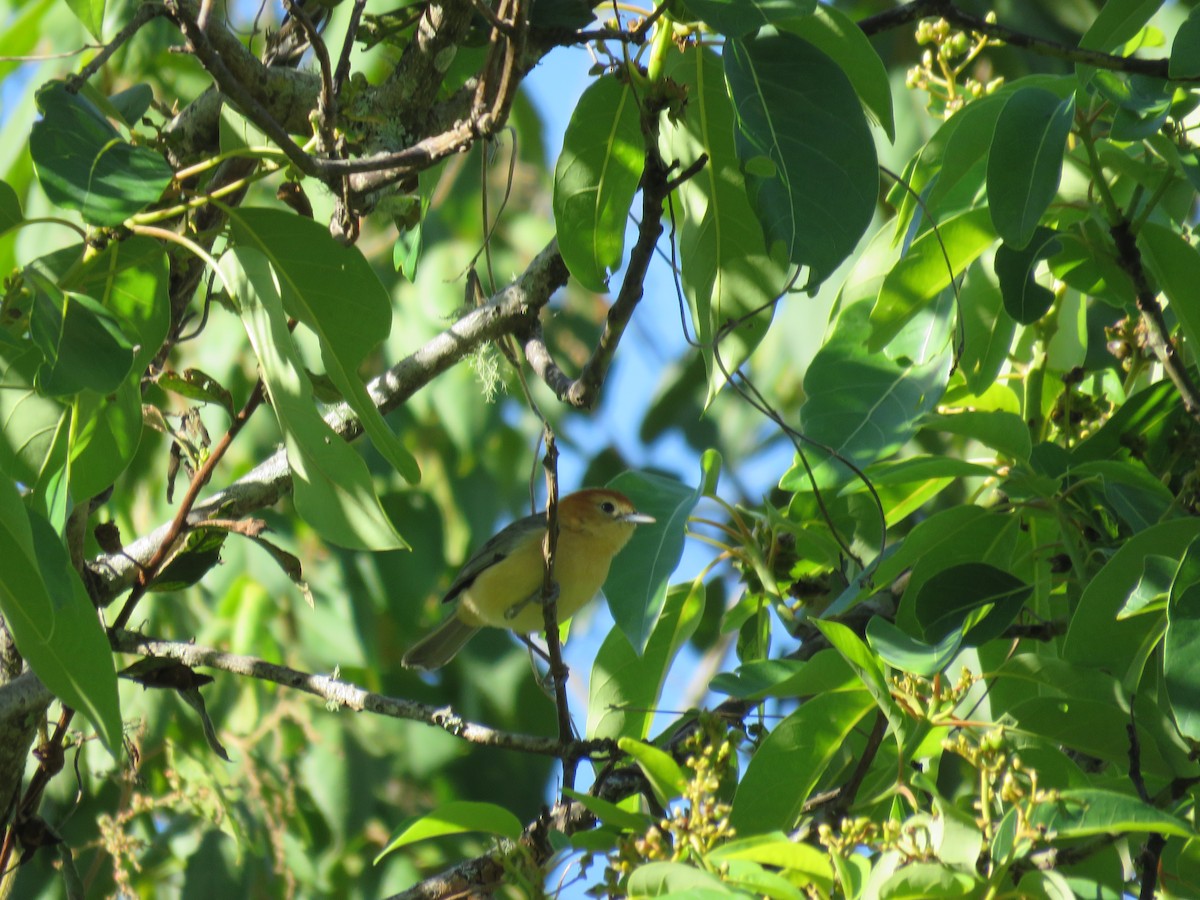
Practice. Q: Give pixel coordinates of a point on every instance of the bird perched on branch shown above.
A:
(501, 585)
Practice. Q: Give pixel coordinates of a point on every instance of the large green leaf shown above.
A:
(1185, 49)
(10, 207)
(1025, 300)
(637, 585)
(863, 405)
(83, 163)
(734, 18)
(1175, 264)
(595, 179)
(333, 489)
(725, 270)
(811, 171)
(792, 761)
(1181, 663)
(105, 432)
(82, 342)
(926, 270)
(1088, 812)
(332, 289)
(91, 14)
(455, 818)
(987, 330)
(981, 599)
(52, 618)
(624, 687)
(131, 279)
(1025, 162)
(28, 420)
(1096, 636)
(836, 34)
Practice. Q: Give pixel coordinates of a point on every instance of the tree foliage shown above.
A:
(295, 315)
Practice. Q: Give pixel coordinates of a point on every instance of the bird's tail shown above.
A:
(440, 646)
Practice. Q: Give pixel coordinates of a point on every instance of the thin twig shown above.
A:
(343, 67)
(179, 524)
(327, 98)
(550, 592)
(146, 12)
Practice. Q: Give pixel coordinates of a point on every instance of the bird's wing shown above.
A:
(499, 547)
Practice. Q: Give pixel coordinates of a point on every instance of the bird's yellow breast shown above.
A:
(581, 566)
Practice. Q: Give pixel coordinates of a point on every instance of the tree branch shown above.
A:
(349, 695)
(1130, 259)
(923, 9)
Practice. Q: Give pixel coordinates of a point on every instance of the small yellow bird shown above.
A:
(501, 585)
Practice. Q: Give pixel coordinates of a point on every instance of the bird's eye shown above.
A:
(608, 507)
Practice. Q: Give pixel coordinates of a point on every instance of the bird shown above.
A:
(501, 585)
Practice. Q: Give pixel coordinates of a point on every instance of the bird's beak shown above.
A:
(638, 518)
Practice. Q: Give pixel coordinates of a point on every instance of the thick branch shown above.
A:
(349, 696)
(511, 309)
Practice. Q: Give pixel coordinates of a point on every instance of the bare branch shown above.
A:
(350, 696)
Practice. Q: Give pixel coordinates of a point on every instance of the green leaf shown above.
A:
(1175, 264)
(333, 489)
(735, 18)
(826, 672)
(131, 278)
(10, 208)
(332, 289)
(1185, 49)
(666, 777)
(596, 178)
(133, 102)
(637, 586)
(1095, 636)
(91, 14)
(925, 271)
(610, 813)
(1118, 22)
(1026, 160)
(796, 107)
(1181, 663)
(792, 761)
(83, 163)
(28, 420)
(865, 406)
(81, 341)
(1025, 300)
(900, 651)
(834, 33)
(672, 879)
(987, 330)
(455, 818)
(980, 597)
(624, 687)
(927, 881)
(724, 267)
(52, 619)
(1004, 432)
(106, 430)
(776, 849)
(1088, 811)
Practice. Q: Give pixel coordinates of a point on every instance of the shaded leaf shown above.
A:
(734, 18)
(333, 489)
(811, 170)
(52, 619)
(333, 290)
(1025, 300)
(83, 163)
